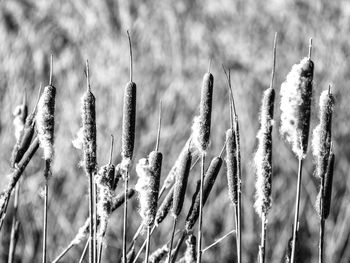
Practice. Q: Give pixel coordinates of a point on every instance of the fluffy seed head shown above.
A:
(20, 115)
(45, 121)
(201, 123)
(129, 115)
(148, 188)
(82, 233)
(158, 255)
(321, 141)
(263, 155)
(210, 177)
(89, 131)
(296, 95)
(181, 184)
(165, 207)
(191, 252)
(231, 163)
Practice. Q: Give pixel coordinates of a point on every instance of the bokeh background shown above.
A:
(172, 44)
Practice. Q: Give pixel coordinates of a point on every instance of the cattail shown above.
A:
(231, 163)
(89, 127)
(201, 123)
(165, 207)
(263, 155)
(181, 184)
(148, 194)
(321, 141)
(296, 94)
(328, 180)
(45, 121)
(191, 253)
(158, 255)
(210, 177)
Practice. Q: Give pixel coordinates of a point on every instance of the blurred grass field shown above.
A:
(172, 44)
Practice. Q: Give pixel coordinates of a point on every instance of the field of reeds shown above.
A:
(241, 133)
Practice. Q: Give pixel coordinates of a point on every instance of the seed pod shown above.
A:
(201, 124)
(155, 162)
(328, 181)
(191, 252)
(165, 207)
(321, 141)
(181, 184)
(296, 95)
(209, 180)
(263, 155)
(89, 127)
(45, 121)
(148, 188)
(231, 163)
(159, 254)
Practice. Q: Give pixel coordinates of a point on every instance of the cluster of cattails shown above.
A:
(296, 96)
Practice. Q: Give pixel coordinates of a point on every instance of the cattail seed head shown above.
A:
(181, 184)
(89, 128)
(191, 252)
(328, 181)
(231, 163)
(129, 116)
(321, 141)
(158, 255)
(209, 180)
(148, 187)
(202, 123)
(165, 207)
(296, 95)
(263, 155)
(45, 121)
(118, 201)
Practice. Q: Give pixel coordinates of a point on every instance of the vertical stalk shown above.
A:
(239, 192)
(125, 224)
(263, 239)
(95, 223)
(14, 227)
(148, 243)
(296, 215)
(322, 223)
(172, 239)
(199, 248)
(46, 194)
(91, 214)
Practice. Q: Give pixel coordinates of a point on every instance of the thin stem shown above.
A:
(143, 246)
(130, 50)
(209, 66)
(239, 193)
(46, 195)
(310, 48)
(100, 251)
(296, 215)
(219, 240)
(172, 239)
(84, 251)
(274, 61)
(263, 239)
(125, 223)
(322, 223)
(51, 70)
(178, 245)
(38, 98)
(14, 227)
(91, 214)
(87, 72)
(159, 125)
(111, 150)
(199, 247)
(95, 222)
(63, 253)
(148, 243)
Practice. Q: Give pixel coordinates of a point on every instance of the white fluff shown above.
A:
(79, 140)
(17, 121)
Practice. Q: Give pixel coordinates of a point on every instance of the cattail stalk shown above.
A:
(296, 95)
(218, 241)
(263, 158)
(89, 150)
(234, 165)
(45, 126)
(128, 137)
(201, 136)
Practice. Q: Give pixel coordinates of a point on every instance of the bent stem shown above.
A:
(172, 239)
(263, 239)
(296, 215)
(199, 247)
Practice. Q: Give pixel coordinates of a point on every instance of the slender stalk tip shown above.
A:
(111, 150)
(87, 72)
(51, 69)
(274, 61)
(159, 125)
(310, 47)
(130, 50)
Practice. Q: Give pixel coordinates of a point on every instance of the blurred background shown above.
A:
(172, 44)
